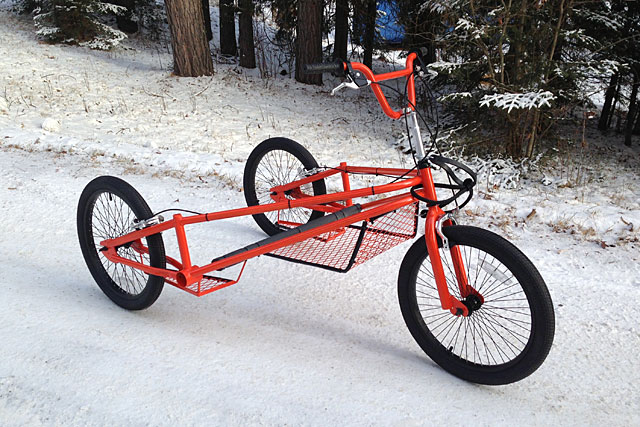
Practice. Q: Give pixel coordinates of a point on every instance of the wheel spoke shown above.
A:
(278, 166)
(495, 333)
(112, 217)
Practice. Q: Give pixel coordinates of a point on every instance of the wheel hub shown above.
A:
(472, 302)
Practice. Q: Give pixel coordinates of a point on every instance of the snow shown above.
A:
(288, 344)
(51, 125)
(509, 101)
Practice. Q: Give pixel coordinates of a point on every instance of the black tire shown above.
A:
(278, 161)
(107, 208)
(504, 340)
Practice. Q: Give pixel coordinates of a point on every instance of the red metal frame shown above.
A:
(191, 277)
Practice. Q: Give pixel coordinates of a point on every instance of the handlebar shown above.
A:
(340, 68)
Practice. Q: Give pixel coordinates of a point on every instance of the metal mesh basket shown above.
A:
(205, 286)
(342, 249)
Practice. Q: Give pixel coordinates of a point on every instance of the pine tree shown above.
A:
(309, 39)
(369, 31)
(633, 107)
(341, 29)
(245, 39)
(364, 27)
(614, 28)
(77, 22)
(191, 54)
(207, 19)
(512, 59)
(603, 123)
(227, 28)
(420, 26)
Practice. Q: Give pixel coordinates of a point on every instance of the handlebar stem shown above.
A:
(415, 137)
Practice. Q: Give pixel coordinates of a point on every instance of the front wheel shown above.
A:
(507, 336)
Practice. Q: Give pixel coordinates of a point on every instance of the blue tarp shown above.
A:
(389, 30)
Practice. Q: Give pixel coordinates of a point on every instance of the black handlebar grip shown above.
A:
(336, 68)
(423, 55)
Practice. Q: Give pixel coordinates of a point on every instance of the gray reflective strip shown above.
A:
(327, 219)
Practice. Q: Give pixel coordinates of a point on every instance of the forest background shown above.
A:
(505, 75)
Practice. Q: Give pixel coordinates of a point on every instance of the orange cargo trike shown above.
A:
(472, 301)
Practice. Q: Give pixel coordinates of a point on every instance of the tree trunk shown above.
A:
(631, 129)
(227, 28)
(633, 107)
(534, 133)
(603, 123)
(309, 39)
(513, 146)
(636, 128)
(619, 121)
(517, 44)
(245, 39)
(342, 29)
(369, 32)
(191, 55)
(616, 97)
(207, 19)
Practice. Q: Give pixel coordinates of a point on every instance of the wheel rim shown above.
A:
(279, 167)
(112, 217)
(495, 333)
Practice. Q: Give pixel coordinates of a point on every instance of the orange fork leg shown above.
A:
(461, 272)
(447, 301)
(458, 266)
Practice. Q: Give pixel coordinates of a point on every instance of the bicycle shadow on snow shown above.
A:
(239, 316)
(254, 310)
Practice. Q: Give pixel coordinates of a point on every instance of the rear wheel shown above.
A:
(507, 336)
(279, 161)
(107, 208)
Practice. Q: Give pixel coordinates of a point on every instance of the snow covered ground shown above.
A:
(289, 344)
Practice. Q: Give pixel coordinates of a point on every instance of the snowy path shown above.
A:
(288, 344)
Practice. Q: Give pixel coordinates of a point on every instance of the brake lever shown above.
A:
(347, 83)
